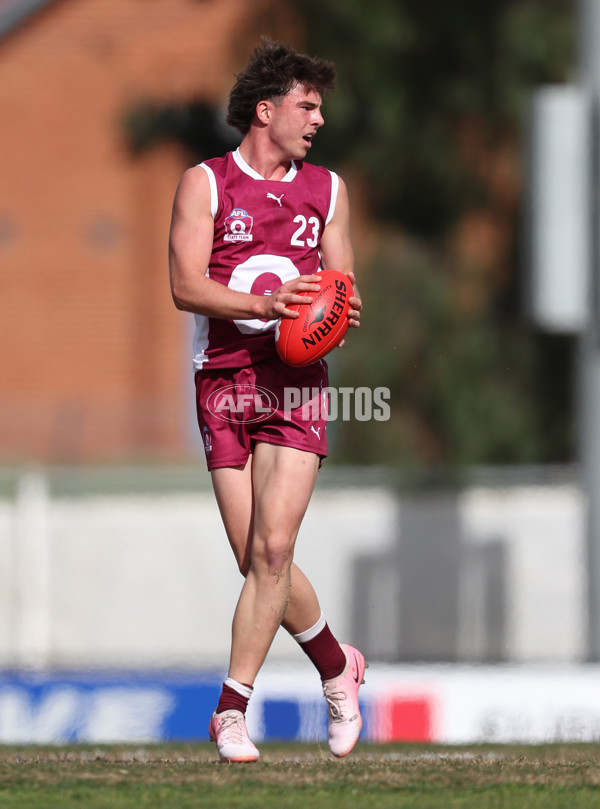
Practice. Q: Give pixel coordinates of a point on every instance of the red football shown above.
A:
(320, 326)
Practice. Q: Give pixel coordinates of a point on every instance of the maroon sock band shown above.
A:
(230, 700)
(326, 654)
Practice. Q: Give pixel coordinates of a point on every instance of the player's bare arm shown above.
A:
(336, 249)
(190, 246)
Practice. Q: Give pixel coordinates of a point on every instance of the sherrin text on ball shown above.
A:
(320, 325)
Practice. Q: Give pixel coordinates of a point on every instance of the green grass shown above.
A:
(303, 776)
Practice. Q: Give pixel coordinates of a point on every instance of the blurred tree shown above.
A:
(463, 390)
(428, 122)
(419, 81)
(197, 126)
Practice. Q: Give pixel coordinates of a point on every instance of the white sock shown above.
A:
(312, 632)
(244, 690)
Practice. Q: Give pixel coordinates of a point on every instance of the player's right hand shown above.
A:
(276, 304)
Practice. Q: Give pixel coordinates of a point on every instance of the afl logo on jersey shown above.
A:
(238, 226)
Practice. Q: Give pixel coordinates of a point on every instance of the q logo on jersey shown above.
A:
(238, 226)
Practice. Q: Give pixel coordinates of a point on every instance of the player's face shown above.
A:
(294, 122)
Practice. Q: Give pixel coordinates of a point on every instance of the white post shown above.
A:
(589, 354)
(32, 572)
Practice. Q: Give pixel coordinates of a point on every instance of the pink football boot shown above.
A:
(341, 693)
(228, 730)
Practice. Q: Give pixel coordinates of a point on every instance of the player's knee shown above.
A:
(275, 554)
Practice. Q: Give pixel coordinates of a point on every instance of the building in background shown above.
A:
(95, 356)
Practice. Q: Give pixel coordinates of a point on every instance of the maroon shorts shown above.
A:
(269, 402)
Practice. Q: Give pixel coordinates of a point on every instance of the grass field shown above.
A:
(303, 776)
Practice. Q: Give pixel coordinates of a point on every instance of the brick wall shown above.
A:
(94, 355)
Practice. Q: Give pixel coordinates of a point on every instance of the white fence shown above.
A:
(143, 579)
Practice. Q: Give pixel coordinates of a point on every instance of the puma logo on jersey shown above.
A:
(277, 199)
(316, 431)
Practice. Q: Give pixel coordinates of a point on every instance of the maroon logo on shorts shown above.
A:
(242, 403)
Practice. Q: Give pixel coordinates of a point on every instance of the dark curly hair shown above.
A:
(272, 71)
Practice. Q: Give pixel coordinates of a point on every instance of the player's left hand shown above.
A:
(355, 304)
(355, 307)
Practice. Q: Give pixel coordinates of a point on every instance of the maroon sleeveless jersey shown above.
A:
(266, 232)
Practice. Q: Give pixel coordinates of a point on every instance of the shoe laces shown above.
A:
(233, 726)
(334, 701)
